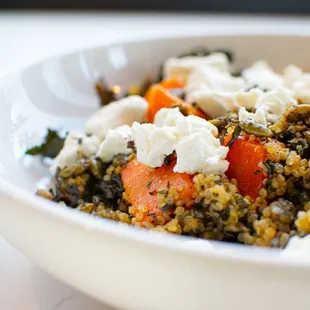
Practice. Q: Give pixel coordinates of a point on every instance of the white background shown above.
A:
(25, 38)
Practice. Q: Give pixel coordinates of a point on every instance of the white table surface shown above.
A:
(25, 38)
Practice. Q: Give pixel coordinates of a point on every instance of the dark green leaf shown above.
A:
(168, 207)
(51, 146)
(167, 160)
(106, 95)
(270, 167)
(235, 135)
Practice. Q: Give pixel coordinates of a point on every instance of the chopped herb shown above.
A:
(80, 141)
(96, 200)
(131, 144)
(110, 191)
(149, 183)
(225, 214)
(236, 133)
(51, 146)
(299, 145)
(106, 95)
(168, 207)
(144, 87)
(167, 161)
(140, 90)
(163, 192)
(255, 86)
(270, 167)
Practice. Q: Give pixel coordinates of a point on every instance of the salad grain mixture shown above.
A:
(217, 155)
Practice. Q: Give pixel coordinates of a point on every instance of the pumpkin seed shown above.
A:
(307, 136)
(252, 128)
(75, 169)
(86, 207)
(298, 113)
(44, 194)
(96, 168)
(218, 122)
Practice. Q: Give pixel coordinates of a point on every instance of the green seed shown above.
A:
(299, 113)
(252, 128)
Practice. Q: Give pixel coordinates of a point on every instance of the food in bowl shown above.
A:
(202, 152)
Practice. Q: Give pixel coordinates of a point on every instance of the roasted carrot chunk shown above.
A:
(172, 83)
(142, 184)
(244, 157)
(158, 97)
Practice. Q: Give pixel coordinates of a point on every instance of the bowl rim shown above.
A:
(223, 251)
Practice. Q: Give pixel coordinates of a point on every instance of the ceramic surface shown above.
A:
(126, 267)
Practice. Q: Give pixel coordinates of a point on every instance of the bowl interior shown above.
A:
(59, 92)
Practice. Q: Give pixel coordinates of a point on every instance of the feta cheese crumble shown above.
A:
(122, 112)
(200, 152)
(184, 125)
(216, 103)
(213, 79)
(192, 138)
(275, 103)
(298, 82)
(181, 67)
(153, 143)
(76, 146)
(115, 143)
(259, 116)
(262, 75)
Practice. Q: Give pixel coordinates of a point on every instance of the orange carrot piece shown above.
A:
(244, 157)
(142, 183)
(172, 83)
(158, 97)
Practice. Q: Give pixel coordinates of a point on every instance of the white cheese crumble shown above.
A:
(215, 103)
(275, 103)
(262, 75)
(181, 67)
(122, 112)
(298, 82)
(167, 117)
(259, 116)
(212, 79)
(291, 74)
(184, 125)
(192, 138)
(115, 143)
(76, 146)
(153, 143)
(200, 152)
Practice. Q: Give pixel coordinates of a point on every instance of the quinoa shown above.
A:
(218, 208)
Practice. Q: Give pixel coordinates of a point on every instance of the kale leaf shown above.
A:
(50, 147)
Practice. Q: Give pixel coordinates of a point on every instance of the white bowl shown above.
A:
(126, 267)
